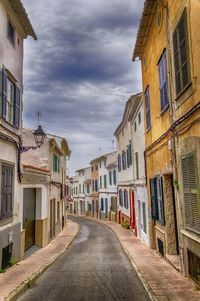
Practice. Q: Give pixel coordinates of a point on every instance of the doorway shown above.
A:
(29, 208)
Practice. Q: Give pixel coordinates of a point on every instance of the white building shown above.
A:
(126, 201)
(88, 191)
(81, 191)
(139, 179)
(74, 193)
(107, 165)
(43, 189)
(15, 26)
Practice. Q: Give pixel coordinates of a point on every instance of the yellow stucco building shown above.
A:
(168, 45)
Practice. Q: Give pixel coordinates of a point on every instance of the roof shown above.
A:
(35, 168)
(145, 25)
(129, 110)
(100, 158)
(22, 17)
(111, 160)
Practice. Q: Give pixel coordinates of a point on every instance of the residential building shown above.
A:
(15, 26)
(139, 178)
(88, 191)
(95, 187)
(81, 191)
(43, 189)
(126, 201)
(74, 193)
(111, 166)
(170, 71)
(103, 187)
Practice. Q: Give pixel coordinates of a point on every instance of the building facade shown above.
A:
(81, 191)
(43, 188)
(139, 177)
(15, 26)
(126, 201)
(95, 187)
(88, 191)
(170, 71)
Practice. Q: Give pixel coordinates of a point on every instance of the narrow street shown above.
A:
(94, 267)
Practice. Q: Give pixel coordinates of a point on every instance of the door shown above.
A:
(52, 218)
(133, 226)
(139, 218)
(29, 206)
(106, 208)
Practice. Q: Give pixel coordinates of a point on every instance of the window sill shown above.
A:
(184, 95)
(164, 110)
(6, 220)
(192, 234)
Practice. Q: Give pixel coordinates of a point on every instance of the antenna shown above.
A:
(113, 145)
(39, 114)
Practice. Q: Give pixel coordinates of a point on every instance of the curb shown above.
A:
(29, 282)
(143, 281)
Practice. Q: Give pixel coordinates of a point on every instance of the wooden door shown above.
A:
(29, 206)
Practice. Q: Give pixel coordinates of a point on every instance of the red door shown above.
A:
(132, 208)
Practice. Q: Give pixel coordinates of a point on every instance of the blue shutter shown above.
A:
(162, 68)
(16, 120)
(4, 94)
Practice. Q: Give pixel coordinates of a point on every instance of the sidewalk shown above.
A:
(16, 279)
(161, 280)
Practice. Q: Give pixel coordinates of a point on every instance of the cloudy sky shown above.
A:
(79, 73)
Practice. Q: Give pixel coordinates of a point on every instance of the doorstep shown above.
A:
(174, 260)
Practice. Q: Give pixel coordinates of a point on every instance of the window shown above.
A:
(162, 68)
(135, 126)
(157, 200)
(144, 221)
(102, 204)
(110, 177)
(147, 105)
(139, 118)
(6, 191)
(100, 181)
(123, 160)
(88, 188)
(137, 165)
(127, 157)
(10, 100)
(126, 199)
(11, 33)
(114, 177)
(93, 185)
(96, 167)
(120, 198)
(79, 188)
(58, 211)
(56, 163)
(119, 163)
(191, 191)
(112, 203)
(105, 181)
(92, 168)
(96, 185)
(181, 54)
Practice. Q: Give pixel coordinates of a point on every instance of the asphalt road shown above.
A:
(94, 267)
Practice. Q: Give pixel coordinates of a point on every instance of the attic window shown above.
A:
(11, 33)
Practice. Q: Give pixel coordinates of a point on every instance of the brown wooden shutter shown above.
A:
(190, 189)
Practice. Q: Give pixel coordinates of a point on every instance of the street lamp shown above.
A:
(39, 136)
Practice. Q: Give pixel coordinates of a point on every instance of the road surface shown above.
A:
(93, 268)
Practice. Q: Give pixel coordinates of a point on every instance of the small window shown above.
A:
(119, 163)
(110, 178)
(120, 198)
(135, 126)
(105, 181)
(137, 165)
(124, 160)
(102, 204)
(147, 107)
(56, 163)
(11, 33)
(139, 118)
(114, 177)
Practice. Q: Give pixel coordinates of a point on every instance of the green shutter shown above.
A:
(154, 199)
(190, 190)
(110, 177)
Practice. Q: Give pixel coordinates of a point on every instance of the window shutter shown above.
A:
(7, 190)
(154, 200)
(130, 154)
(17, 108)
(1, 92)
(162, 208)
(4, 94)
(147, 104)
(190, 189)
